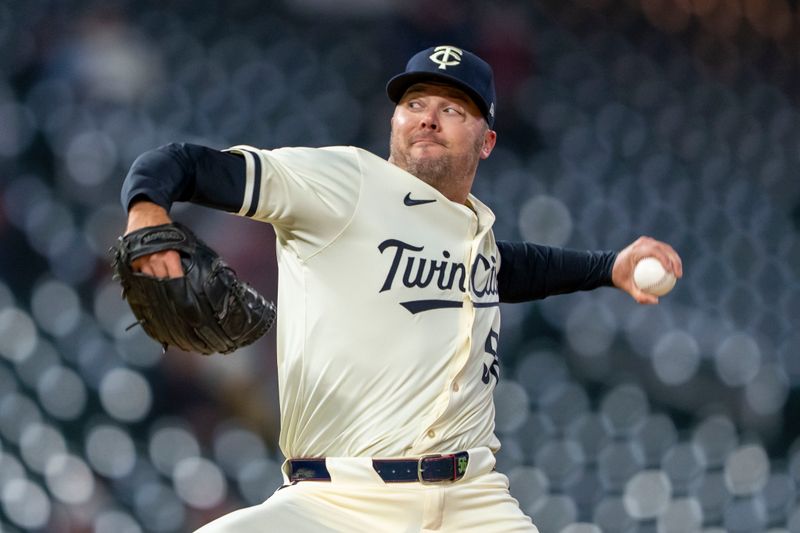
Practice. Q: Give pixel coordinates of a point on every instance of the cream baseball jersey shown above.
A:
(388, 317)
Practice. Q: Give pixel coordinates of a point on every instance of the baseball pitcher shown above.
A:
(388, 318)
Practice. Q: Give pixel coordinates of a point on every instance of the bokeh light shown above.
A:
(170, 444)
(545, 220)
(62, 392)
(683, 515)
(18, 335)
(258, 480)
(125, 395)
(746, 470)
(56, 307)
(69, 479)
(647, 494)
(110, 451)
(40, 443)
(17, 412)
(25, 503)
(511, 406)
(676, 358)
(199, 482)
(114, 521)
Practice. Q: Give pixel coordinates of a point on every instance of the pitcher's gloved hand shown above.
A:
(207, 310)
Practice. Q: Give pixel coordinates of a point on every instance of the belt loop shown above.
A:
(460, 464)
(309, 469)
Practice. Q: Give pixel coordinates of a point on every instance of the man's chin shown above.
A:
(426, 160)
(427, 151)
(429, 168)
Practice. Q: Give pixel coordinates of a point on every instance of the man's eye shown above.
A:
(414, 105)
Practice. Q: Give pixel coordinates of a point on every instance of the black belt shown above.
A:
(426, 469)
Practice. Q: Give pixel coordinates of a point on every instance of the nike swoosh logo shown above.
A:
(410, 202)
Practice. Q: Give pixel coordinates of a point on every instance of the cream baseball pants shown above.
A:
(357, 500)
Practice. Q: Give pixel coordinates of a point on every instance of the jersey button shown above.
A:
(455, 387)
(431, 433)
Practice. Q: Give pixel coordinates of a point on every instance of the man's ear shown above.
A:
(489, 140)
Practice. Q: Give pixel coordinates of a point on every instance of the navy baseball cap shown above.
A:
(452, 66)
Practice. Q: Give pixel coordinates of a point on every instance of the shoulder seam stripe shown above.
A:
(258, 169)
(248, 185)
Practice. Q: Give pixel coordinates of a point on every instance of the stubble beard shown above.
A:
(440, 172)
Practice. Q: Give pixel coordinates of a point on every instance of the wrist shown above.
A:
(144, 213)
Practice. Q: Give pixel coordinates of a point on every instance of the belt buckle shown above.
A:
(419, 468)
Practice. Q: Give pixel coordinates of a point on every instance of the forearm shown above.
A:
(186, 172)
(531, 272)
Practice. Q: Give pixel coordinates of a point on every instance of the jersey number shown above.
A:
(491, 348)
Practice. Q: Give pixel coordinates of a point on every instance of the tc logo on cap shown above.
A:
(446, 56)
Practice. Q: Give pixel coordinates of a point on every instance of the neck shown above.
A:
(454, 190)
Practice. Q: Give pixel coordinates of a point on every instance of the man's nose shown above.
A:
(430, 120)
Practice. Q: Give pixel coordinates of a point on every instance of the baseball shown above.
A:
(650, 276)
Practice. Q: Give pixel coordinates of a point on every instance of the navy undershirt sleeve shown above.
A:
(186, 173)
(531, 272)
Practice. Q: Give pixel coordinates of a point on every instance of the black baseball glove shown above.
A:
(208, 310)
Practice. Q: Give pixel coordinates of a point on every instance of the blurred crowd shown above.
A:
(672, 118)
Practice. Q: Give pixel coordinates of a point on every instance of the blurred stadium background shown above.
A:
(673, 118)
